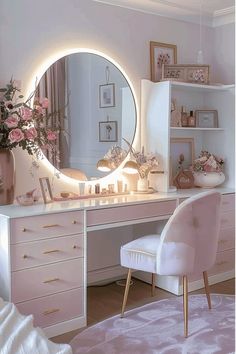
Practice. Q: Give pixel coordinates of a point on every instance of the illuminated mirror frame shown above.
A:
(36, 79)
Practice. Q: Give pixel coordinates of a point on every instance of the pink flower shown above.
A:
(8, 105)
(12, 121)
(38, 109)
(26, 113)
(44, 102)
(51, 135)
(31, 133)
(16, 135)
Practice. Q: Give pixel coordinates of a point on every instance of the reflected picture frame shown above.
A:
(161, 53)
(107, 95)
(179, 146)
(108, 131)
(46, 190)
(206, 118)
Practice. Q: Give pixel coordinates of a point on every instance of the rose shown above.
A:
(31, 133)
(16, 135)
(12, 121)
(44, 102)
(26, 113)
(51, 135)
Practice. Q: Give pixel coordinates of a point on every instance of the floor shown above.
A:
(105, 301)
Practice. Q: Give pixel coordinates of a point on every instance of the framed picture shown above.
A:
(108, 131)
(206, 118)
(107, 95)
(198, 74)
(178, 146)
(46, 189)
(161, 53)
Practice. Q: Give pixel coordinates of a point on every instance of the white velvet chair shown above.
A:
(187, 245)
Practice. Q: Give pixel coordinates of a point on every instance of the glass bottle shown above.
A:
(184, 117)
(191, 120)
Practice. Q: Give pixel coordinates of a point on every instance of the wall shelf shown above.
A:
(197, 87)
(196, 128)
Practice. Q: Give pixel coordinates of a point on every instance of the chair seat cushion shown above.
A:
(141, 253)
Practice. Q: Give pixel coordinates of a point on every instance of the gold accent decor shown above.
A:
(207, 289)
(24, 229)
(48, 226)
(52, 251)
(153, 283)
(50, 280)
(126, 292)
(74, 222)
(48, 312)
(185, 289)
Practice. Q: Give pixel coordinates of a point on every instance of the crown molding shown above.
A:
(223, 17)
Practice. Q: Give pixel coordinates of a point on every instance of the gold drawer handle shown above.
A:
(25, 256)
(220, 263)
(52, 251)
(24, 229)
(75, 247)
(48, 312)
(223, 241)
(50, 280)
(74, 222)
(52, 225)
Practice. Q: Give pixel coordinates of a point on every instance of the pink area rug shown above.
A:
(157, 328)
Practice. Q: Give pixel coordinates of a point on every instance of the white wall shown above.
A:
(34, 33)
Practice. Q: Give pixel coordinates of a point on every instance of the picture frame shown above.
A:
(206, 118)
(191, 73)
(180, 146)
(46, 190)
(161, 53)
(107, 95)
(108, 131)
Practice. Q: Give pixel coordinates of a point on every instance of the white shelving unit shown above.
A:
(157, 133)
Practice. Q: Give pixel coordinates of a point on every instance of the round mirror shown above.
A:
(92, 103)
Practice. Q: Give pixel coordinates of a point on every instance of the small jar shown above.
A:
(97, 188)
(184, 117)
(191, 120)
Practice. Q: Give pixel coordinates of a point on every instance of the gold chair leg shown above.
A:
(207, 289)
(185, 296)
(153, 284)
(126, 292)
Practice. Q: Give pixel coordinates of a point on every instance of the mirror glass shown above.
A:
(92, 103)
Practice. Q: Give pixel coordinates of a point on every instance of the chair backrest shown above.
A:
(190, 237)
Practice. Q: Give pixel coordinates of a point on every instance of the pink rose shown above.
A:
(44, 102)
(31, 133)
(16, 135)
(51, 135)
(12, 121)
(26, 113)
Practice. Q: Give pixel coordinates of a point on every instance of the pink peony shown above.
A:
(12, 121)
(51, 135)
(44, 102)
(31, 133)
(16, 135)
(26, 113)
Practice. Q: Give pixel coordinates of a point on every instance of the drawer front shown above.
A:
(45, 226)
(227, 219)
(132, 212)
(224, 262)
(41, 281)
(226, 239)
(56, 308)
(228, 202)
(31, 254)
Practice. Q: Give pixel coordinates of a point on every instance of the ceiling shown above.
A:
(214, 12)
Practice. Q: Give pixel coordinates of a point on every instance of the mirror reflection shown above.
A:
(92, 104)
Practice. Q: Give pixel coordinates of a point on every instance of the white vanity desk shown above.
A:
(43, 250)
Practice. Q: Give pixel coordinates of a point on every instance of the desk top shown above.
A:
(17, 211)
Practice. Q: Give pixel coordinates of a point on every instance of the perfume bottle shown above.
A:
(191, 120)
(184, 117)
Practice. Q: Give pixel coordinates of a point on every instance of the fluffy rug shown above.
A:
(157, 328)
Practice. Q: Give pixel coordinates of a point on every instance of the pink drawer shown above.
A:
(54, 308)
(45, 226)
(228, 202)
(132, 212)
(46, 280)
(227, 219)
(224, 262)
(31, 254)
(226, 239)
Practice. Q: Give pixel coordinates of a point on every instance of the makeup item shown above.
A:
(111, 188)
(97, 188)
(191, 120)
(104, 191)
(184, 117)
(119, 186)
(81, 188)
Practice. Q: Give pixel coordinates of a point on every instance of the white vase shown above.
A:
(142, 185)
(208, 179)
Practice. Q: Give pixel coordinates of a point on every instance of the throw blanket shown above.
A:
(18, 335)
